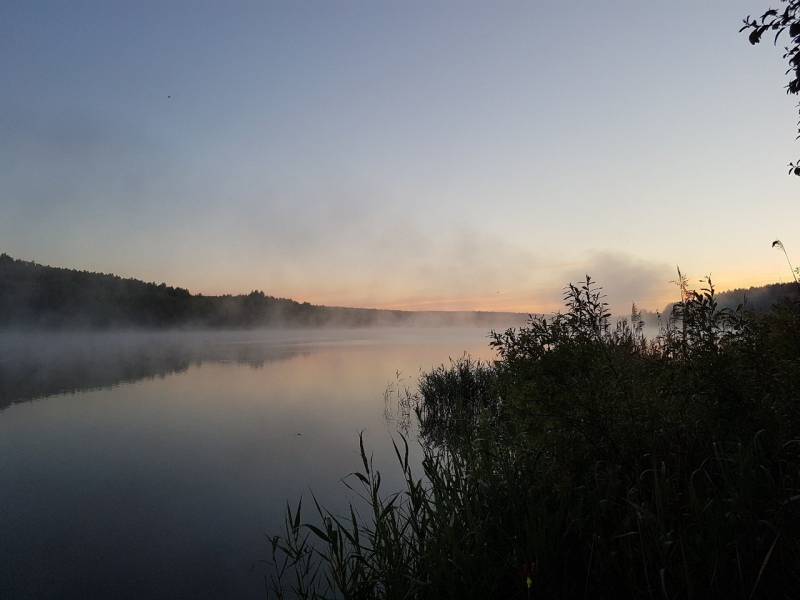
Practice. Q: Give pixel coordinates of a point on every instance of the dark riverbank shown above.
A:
(587, 462)
(34, 296)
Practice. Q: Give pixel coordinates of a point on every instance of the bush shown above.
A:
(585, 462)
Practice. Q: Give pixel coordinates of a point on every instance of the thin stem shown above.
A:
(791, 268)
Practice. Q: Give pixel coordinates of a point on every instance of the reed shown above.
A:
(585, 462)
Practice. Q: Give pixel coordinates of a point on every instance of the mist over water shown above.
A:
(151, 465)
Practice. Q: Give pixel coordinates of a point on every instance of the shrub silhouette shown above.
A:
(585, 462)
(778, 22)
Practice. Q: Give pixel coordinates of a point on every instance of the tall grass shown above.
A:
(585, 462)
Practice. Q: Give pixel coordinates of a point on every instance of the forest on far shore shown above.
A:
(43, 297)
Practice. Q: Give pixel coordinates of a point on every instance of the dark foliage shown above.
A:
(37, 296)
(756, 299)
(41, 296)
(774, 23)
(760, 299)
(586, 462)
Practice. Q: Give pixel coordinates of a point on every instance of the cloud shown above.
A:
(408, 266)
(626, 279)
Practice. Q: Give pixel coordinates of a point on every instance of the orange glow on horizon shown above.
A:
(543, 300)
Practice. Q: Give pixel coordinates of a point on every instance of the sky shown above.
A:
(416, 155)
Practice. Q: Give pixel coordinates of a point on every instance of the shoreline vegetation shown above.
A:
(34, 296)
(587, 461)
(39, 297)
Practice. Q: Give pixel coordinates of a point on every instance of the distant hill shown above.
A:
(756, 299)
(42, 297)
(760, 298)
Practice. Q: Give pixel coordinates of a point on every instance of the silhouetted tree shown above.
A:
(33, 295)
(777, 22)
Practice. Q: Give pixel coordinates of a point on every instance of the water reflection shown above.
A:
(160, 471)
(37, 366)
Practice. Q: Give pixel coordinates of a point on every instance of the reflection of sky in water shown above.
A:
(160, 478)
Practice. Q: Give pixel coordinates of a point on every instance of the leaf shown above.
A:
(764, 565)
(318, 532)
(296, 523)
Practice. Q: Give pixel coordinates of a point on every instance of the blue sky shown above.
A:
(416, 155)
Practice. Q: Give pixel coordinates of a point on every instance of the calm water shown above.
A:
(151, 466)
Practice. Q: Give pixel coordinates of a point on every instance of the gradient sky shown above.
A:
(446, 155)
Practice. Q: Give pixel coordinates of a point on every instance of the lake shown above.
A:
(148, 465)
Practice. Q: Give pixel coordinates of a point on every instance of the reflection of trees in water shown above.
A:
(38, 367)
